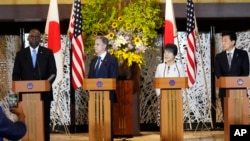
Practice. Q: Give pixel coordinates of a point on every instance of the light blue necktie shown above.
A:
(97, 65)
(34, 57)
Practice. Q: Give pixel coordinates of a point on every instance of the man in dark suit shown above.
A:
(104, 65)
(107, 66)
(41, 68)
(238, 66)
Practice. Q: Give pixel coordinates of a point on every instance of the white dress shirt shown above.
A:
(165, 70)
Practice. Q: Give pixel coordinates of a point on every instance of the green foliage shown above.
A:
(97, 16)
(129, 25)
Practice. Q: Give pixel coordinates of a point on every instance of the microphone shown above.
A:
(52, 76)
(164, 69)
(38, 67)
(177, 70)
(168, 69)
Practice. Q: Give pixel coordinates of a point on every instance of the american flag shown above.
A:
(191, 44)
(78, 56)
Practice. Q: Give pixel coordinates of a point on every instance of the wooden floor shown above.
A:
(147, 136)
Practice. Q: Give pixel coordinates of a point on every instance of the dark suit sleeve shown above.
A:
(11, 130)
(16, 74)
(52, 66)
(245, 64)
(46, 64)
(218, 67)
(91, 68)
(113, 69)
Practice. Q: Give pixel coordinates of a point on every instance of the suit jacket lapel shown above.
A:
(224, 59)
(103, 66)
(104, 61)
(39, 54)
(235, 57)
(28, 56)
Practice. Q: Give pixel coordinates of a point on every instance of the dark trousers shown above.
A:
(222, 106)
(222, 95)
(46, 116)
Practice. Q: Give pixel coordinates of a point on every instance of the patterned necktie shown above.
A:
(97, 65)
(229, 58)
(34, 57)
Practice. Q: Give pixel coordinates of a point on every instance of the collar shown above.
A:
(103, 55)
(232, 51)
(35, 49)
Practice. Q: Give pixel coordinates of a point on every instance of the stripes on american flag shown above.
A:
(191, 44)
(78, 56)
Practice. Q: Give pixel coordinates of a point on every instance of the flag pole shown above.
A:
(58, 91)
(185, 90)
(55, 45)
(77, 56)
(204, 74)
(173, 38)
(57, 101)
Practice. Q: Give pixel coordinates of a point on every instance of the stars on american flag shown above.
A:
(78, 19)
(190, 16)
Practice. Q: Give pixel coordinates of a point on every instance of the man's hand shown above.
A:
(19, 112)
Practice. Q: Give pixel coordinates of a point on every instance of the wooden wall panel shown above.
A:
(126, 110)
(17, 2)
(31, 13)
(207, 15)
(39, 12)
(9, 2)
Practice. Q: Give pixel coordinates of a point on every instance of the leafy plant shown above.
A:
(130, 26)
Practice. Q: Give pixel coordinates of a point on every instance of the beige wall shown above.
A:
(70, 1)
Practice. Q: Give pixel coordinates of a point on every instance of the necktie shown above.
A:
(34, 57)
(229, 58)
(97, 65)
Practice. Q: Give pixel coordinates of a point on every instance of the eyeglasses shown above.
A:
(34, 37)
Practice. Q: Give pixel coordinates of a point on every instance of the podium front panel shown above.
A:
(99, 84)
(31, 86)
(99, 116)
(32, 106)
(33, 109)
(171, 82)
(233, 82)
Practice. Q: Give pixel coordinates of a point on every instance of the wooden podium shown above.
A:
(32, 106)
(236, 101)
(171, 107)
(99, 108)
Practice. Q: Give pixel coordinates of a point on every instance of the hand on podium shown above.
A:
(19, 112)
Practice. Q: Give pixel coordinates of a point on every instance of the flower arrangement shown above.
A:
(130, 26)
